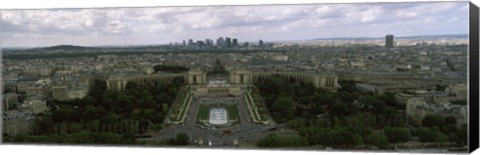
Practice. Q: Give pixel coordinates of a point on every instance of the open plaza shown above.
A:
(218, 117)
(220, 110)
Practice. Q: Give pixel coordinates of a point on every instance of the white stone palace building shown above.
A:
(238, 77)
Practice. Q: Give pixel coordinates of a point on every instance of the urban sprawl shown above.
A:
(394, 93)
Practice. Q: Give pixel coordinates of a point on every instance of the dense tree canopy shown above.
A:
(375, 119)
(182, 139)
(81, 137)
(334, 137)
(105, 116)
(273, 140)
(397, 135)
(378, 139)
(283, 109)
(433, 120)
(426, 134)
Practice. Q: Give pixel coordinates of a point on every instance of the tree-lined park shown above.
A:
(348, 119)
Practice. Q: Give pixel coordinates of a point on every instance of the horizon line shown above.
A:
(160, 44)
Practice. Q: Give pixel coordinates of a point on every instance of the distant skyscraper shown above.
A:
(234, 42)
(246, 44)
(389, 41)
(228, 42)
(190, 42)
(184, 43)
(220, 42)
(207, 43)
(260, 43)
(200, 43)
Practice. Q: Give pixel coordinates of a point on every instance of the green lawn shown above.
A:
(203, 112)
(232, 112)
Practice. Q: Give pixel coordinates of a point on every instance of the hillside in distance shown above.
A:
(50, 49)
(65, 47)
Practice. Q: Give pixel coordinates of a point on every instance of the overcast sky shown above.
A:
(161, 25)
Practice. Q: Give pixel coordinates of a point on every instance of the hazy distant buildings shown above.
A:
(220, 42)
(209, 43)
(260, 43)
(107, 57)
(190, 42)
(228, 42)
(246, 44)
(234, 42)
(200, 44)
(389, 41)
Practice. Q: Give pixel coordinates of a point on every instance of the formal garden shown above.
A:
(215, 114)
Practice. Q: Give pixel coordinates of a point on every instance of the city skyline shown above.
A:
(162, 25)
(381, 77)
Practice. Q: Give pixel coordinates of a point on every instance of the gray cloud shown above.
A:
(275, 22)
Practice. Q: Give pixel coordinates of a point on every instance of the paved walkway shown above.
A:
(245, 132)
